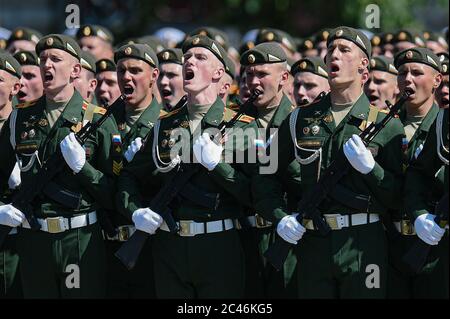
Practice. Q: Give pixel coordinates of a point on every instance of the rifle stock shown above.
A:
(307, 207)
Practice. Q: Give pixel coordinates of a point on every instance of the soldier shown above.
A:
(310, 79)
(10, 286)
(283, 38)
(137, 72)
(406, 39)
(65, 258)
(435, 42)
(320, 42)
(420, 177)
(334, 266)
(382, 82)
(170, 81)
(227, 80)
(86, 83)
(306, 48)
(442, 92)
(266, 71)
(205, 259)
(23, 39)
(31, 87)
(96, 39)
(107, 90)
(387, 46)
(418, 73)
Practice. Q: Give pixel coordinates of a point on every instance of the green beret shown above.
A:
(171, 56)
(207, 43)
(443, 58)
(322, 35)
(275, 35)
(418, 55)
(213, 33)
(137, 51)
(10, 64)
(59, 41)
(434, 36)
(353, 35)
(27, 58)
(310, 64)
(383, 63)
(2, 44)
(409, 36)
(305, 44)
(246, 46)
(105, 65)
(93, 30)
(24, 34)
(125, 42)
(267, 52)
(88, 61)
(153, 42)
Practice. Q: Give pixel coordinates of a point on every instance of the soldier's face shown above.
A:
(200, 70)
(97, 47)
(31, 87)
(420, 80)
(307, 86)
(136, 79)
(346, 63)
(442, 93)
(436, 47)
(9, 86)
(170, 83)
(269, 79)
(21, 45)
(107, 90)
(388, 50)
(58, 69)
(86, 84)
(380, 87)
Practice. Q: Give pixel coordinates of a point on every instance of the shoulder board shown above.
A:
(246, 119)
(85, 105)
(162, 113)
(99, 110)
(24, 105)
(233, 106)
(169, 114)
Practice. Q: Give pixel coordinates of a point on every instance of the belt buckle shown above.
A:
(54, 225)
(260, 222)
(185, 228)
(407, 228)
(332, 221)
(123, 233)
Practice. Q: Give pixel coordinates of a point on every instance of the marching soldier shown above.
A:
(86, 83)
(10, 286)
(284, 39)
(419, 73)
(31, 87)
(407, 39)
(107, 90)
(23, 39)
(441, 94)
(334, 266)
(65, 258)
(435, 42)
(97, 40)
(420, 177)
(310, 79)
(137, 72)
(205, 259)
(382, 82)
(170, 81)
(266, 71)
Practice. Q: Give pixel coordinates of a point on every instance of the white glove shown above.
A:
(146, 220)
(11, 216)
(428, 230)
(358, 155)
(133, 148)
(73, 153)
(14, 180)
(290, 229)
(207, 152)
(418, 151)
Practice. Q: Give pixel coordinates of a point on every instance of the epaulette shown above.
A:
(169, 113)
(97, 109)
(24, 105)
(246, 119)
(162, 113)
(233, 106)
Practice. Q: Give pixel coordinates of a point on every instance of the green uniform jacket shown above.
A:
(139, 129)
(226, 180)
(32, 133)
(421, 172)
(315, 128)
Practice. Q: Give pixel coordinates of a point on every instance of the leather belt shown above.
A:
(55, 225)
(338, 221)
(189, 228)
